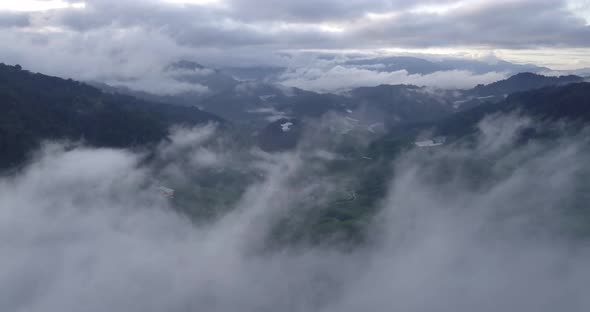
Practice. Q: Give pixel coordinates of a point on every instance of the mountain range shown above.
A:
(358, 133)
(39, 107)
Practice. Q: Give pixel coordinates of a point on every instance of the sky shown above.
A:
(88, 227)
(108, 40)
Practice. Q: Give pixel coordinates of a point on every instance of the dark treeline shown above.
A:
(36, 107)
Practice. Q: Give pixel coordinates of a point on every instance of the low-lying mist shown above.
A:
(493, 224)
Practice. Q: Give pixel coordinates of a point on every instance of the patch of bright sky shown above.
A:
(437, 8)
(44, 29)
(556, 59)
(580, 8)
(283, 26)
(332, 28)
(38, 5)
(559, 59)
(195, 2)
(381, 16)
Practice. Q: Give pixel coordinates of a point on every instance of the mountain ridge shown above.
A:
(38, 107)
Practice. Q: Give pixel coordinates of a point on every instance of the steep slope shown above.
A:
(37, 107)
(522, 82)
(498, 91)
(570, 102)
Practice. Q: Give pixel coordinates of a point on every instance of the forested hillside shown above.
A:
(37, 107)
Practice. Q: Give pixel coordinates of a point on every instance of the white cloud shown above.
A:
(39, 5)
(194, 2)
(187, 148)
(85, 227)
(159, 84)
(123, 57)
(339, 78)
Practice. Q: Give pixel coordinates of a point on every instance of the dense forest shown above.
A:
(37, 107)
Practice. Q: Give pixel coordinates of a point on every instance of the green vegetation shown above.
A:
(37, 107)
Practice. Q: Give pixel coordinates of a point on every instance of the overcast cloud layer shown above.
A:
(113, 40)
(328, 23)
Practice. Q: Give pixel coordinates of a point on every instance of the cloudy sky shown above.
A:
(121, 35)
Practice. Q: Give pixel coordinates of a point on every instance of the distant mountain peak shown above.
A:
(523, 82)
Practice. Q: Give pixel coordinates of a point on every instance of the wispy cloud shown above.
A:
(340, 78)
(86, 227)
